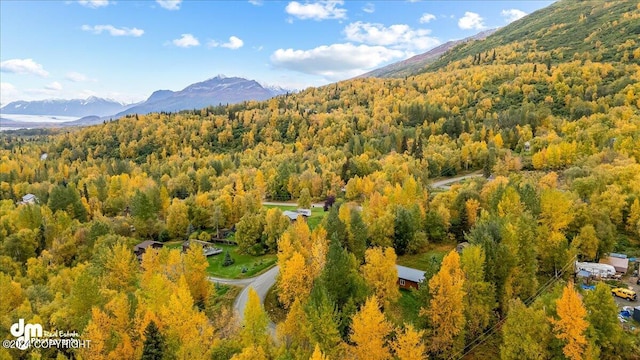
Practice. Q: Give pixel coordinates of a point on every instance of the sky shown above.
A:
(124, 50)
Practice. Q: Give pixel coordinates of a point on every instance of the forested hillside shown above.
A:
(565, 30)
(560, 141)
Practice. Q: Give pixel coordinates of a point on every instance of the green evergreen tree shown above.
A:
(228, 260)
(324, 320)
(41, 239)
(602, 314)
(141, 207)
(357, 239)
(345, 287)
(154, 343)
(336, 229)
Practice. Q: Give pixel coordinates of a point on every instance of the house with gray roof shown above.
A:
(409, 278)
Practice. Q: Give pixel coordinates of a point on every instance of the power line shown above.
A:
(482, 338)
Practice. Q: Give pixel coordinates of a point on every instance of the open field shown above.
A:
(254, 265)
(421, 261)
(317, 213)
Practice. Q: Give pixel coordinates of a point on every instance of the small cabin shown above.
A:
(208, 249)
(409, 278)
(143, 246)
(294, 215)
(304, 212)
(461, 246)
(28, 199)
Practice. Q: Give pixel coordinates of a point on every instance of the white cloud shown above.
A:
(187, 40)
(113, 31)
(512, 15)
(321, 10)
(256, 2)
(169, 4)
(234, 43)
(471, 20)
(336, 61)
(94, 4)
(398, 36)
(23, 66)
(76, 77)
(8, 93)
(369, 8)
(55, 86)
(426, 17)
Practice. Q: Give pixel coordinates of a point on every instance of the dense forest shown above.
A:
(555, 132)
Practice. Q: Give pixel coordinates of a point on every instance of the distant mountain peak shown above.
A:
(220, 89)
(92, 105)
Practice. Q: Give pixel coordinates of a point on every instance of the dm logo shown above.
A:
(24, 333)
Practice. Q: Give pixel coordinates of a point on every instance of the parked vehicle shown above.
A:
(625, 294)
(596, 269)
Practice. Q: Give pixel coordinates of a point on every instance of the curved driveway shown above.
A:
(443, 183)
(261, 284)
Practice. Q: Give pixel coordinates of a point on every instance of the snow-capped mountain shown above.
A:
(211, 92)
(74, 107)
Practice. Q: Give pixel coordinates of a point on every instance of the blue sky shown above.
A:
(125, 50)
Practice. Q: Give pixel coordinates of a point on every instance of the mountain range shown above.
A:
(74, 107)
(214, 91)
(211, 92)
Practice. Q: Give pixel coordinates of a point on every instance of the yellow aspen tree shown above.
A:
(294, 281)
(381, 274)
(446, 311)
(164, 201)
(318, 251)
(195, 266)
(369, 329)
(633, 220)
(254, 324)
(98, 331)
(285, 248)
(122, 269)
(556, 210)
(251, 352)
(177, 218)
(317, 354)
(571, 325)
(293, 331)
(472, 206)
(187, 339)
(408, 344)
(260, 184)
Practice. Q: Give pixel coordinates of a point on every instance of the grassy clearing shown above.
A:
(406, 310)
(421, 261)
(174, 244)
(317, 214)
(275, 312)
(225, 295)
(254, 265)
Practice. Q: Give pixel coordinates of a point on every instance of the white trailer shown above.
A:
(596, 269)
